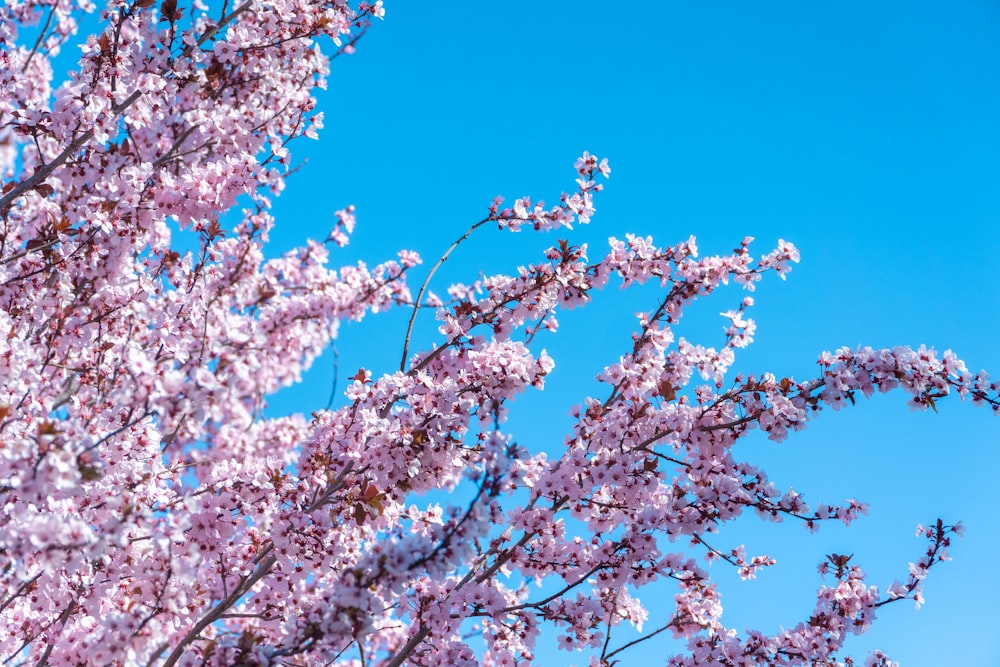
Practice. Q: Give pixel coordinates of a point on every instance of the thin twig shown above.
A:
(427, 280)
(333, 387)
(41, 38)
(409, 647)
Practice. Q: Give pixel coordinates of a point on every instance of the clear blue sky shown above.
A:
(865, 133)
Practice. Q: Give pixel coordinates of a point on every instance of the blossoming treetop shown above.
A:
(153, 516)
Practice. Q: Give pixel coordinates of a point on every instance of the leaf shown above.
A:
(48, 427)
(840, 562)
(667, 391)
(360, 514)
(213, 230)
(168, 11)
(818, 621)
(215, 70)
(264, 292)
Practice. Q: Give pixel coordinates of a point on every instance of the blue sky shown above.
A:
(865, 133)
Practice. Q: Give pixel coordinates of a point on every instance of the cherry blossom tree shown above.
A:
(153, 515)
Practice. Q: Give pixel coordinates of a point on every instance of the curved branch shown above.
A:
(427, 280)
